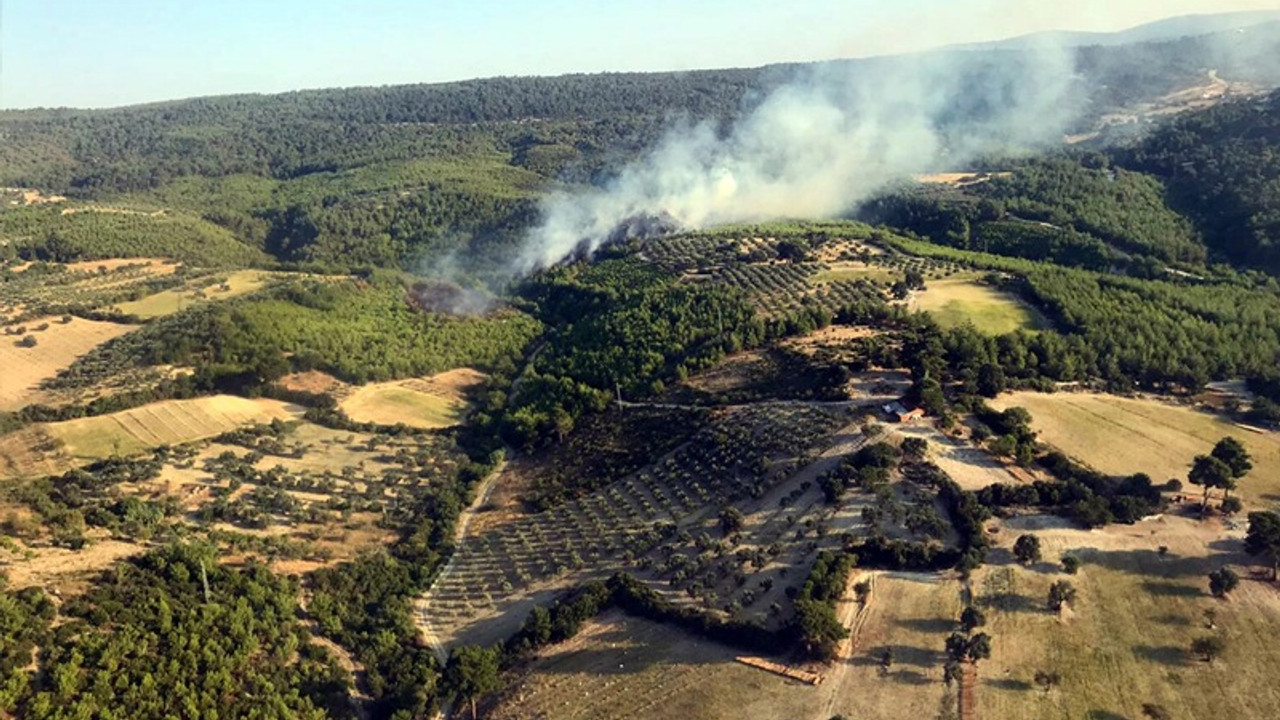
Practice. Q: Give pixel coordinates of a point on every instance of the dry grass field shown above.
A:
(622, 667)
(31, 452)
(171, 301)
(1123, 642)
(956, 301)
(429, 403)
(171, 422)
(56, 348)
(1121, 436)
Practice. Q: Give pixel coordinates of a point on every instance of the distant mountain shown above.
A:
(1159, 31)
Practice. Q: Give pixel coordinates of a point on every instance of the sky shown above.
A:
(103, 53)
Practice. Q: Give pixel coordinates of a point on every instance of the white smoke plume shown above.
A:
(820, 145)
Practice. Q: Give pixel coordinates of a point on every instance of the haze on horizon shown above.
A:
(104, 53)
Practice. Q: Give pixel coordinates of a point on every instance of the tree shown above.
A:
(472, 673)
(1070, 564)
(1061, 593)
(972, 619)
(731, 520)
(1223, 581)
(1234, 455)
(1027, 549)
(1231, 506)
(1209, 647)
(1209, 472)
(915, 448)
(968, 648)
(991, 380)
(28, 341)
(1156, 712)
(1263, 538)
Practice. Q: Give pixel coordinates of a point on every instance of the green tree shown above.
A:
(1209, 647)
(971, 619)
(1234, 455)
(472, 673)
(1263, 538)
(1209, 472)
(1223, 581)
(1061, 593)
(1027, 549)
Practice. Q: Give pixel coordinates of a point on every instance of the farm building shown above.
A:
(899, 412)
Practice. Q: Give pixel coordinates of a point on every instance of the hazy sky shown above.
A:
(95, 53)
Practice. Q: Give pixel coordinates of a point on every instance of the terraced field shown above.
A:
(172, 422)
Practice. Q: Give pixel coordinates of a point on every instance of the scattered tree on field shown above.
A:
(972, 619)
(1234, 455)
(1263, 538)
(1209, 472)
(1209, 647)
(1070, 564)
(1156, 712)
(1222, 582)
(1061, 593)
(1027, 549)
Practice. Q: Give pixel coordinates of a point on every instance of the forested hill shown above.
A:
(297, 133)
(1222, 167)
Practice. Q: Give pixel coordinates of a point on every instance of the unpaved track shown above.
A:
(423, 603)
(852, 615)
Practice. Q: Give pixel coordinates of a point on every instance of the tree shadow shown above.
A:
(1174, 620)
(1170, 655)
(1151, 562)
(1105, 715)
(1162, 589)
(1009, 684)
(1009, 602)
(910, 677)
(929, 625)
(902, 655)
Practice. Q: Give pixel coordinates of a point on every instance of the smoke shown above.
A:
(821, 144)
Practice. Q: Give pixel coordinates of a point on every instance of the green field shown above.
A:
(171, 301)
(955, 301)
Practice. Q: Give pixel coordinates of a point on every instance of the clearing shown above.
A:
(1122, 436)
(956, 301)
(200, 290)
(428, 403)
(171, 422)
(57, 346)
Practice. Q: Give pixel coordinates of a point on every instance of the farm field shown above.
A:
(427, 403)
(171, 422)
(838, 271)
(1125, 640)
(956, 301)
(56, 348)
(624, 667)
(201, 290)
(1121, 436)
